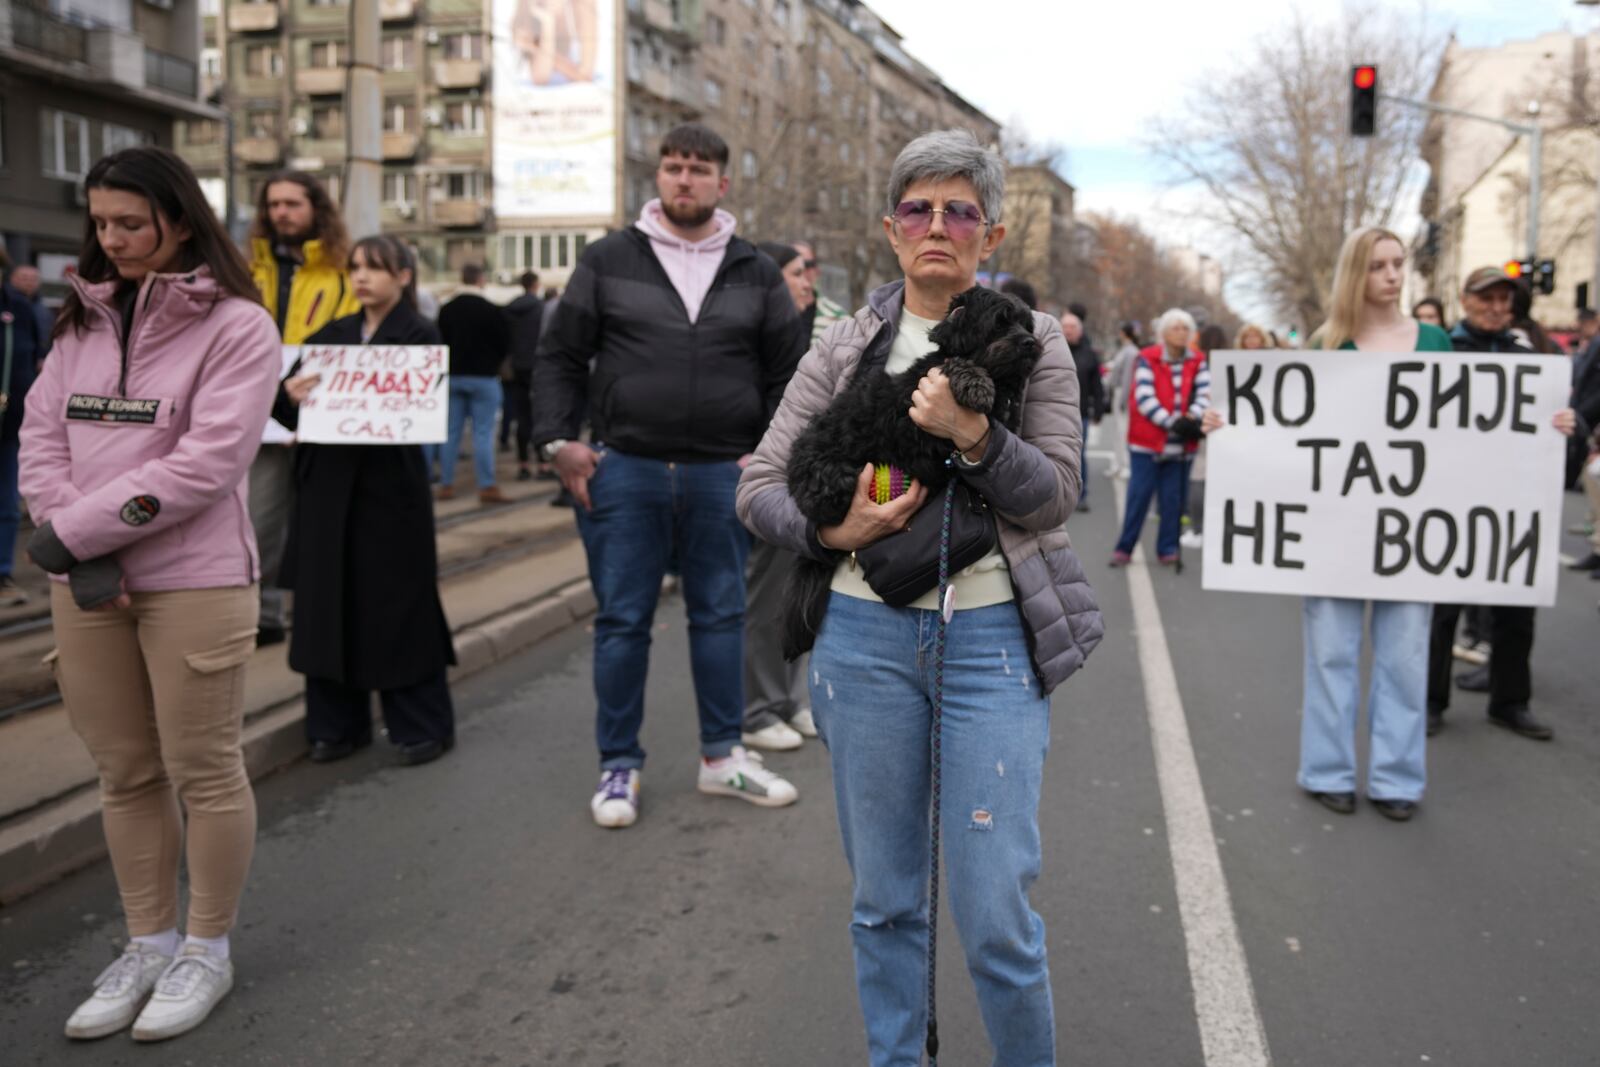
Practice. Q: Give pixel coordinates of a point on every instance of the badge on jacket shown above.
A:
(140, 510)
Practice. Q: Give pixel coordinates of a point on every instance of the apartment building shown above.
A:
(80, 79)
(815, 98)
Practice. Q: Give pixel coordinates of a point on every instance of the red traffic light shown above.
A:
(1514, 269)
(1365, 77)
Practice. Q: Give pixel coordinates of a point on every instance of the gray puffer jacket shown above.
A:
(1030, 479)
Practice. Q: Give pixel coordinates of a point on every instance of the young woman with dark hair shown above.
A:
(134, 452)
(361, 557)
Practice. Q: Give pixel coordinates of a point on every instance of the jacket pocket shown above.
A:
(230, 652)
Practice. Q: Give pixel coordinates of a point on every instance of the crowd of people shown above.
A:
(666, 388)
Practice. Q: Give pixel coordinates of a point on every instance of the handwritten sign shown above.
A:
(1421, 476)
(376, 394)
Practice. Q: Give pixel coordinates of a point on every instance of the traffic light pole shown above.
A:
(1535, 138)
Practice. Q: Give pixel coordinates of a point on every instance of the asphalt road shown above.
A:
(469, 912)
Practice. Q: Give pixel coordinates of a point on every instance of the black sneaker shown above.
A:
(1474, 681)
(1435, 721)
(329, 751)
(1591, 562)
(420, 752)
(1398, 810)
(1342, 803)
(1521, 721)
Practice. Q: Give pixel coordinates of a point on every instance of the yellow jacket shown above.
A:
(319, 293)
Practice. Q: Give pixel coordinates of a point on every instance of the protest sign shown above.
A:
(376, 394)
(1420, 476)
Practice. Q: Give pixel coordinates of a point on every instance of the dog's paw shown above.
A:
(970, 385)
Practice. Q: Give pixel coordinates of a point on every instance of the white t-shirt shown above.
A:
(987, 581)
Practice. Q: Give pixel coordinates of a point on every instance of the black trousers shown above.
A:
(1510, 676)
(337, 712)
(518, 397)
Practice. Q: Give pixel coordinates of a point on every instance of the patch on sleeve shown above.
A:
(112, 408)
(140, 510)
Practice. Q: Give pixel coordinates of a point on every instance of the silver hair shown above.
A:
(946, 154)
(1170, 316)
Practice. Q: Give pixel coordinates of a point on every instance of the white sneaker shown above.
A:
(779, 737)
(804, 723)
(616, 802)
(1191, 539)
(194, 984)
(118, 992)
(741, 774)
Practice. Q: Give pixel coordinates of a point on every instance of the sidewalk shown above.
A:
(515, 576)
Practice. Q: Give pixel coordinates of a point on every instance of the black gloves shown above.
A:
(1186, 428)
(93, 583)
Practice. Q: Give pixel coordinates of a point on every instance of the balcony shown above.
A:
(261, 151)
(400, 145)
(39, 31)
(253, 17)
(397, 10)
(319, 81)
(170, 74)
(458, 212)
(458, 73)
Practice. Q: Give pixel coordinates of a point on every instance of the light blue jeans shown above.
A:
(872, 678)
(477, 398)
(1397, 719)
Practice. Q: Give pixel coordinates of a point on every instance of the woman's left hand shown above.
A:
(300, 386)
(934, 409)
(1212, 420)
(1566, 421)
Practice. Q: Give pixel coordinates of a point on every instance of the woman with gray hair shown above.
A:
(1023, 619)
(1171, 392)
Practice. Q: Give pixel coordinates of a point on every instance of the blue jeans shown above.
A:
(477, 398)
(10, 512)
(871, 677)
(646, 513)
(1396, 703)
(1147, 478)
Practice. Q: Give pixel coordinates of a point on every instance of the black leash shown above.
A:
(935, 732)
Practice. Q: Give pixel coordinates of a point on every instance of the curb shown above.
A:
(67, 835)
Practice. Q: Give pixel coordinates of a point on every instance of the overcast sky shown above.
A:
(1090, 75)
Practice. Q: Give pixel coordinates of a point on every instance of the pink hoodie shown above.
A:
(690, 265)
(147, 459)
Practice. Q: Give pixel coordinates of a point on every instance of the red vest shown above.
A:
(1142, 433)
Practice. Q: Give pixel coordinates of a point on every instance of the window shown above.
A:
(780, 64)
(463, 116)
(780, 12)
(844, 151)
(326, 3)
(326, 54)
(468, 186)
(561, 250)
(462, 46)
(713, 93)
(211, 7)
(716, 30)
(263, 61)
(399, 115)
(822, 198)
(399, 187)
(634, 60)
(824, 83)
(202, 131)
(327, 122)
(747, 105)
(544, 251)
(398, 52)
(64, 145)
(844, 198)
(579, 243)
(748, 165)
(114, 138)
(261, 124)
(211, 62)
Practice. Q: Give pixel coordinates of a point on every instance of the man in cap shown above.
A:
(1507, 678)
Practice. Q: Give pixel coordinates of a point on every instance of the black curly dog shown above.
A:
(987, 350)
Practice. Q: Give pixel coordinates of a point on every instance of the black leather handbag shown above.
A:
(904, 566)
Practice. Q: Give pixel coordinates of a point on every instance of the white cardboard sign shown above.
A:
(376, 394)
(1420, 476)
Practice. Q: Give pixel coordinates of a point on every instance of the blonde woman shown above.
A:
(1252, 337)
(1365, 314)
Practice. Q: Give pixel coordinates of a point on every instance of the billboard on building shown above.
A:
(556, 115)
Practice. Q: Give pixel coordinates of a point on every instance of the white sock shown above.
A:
(166, 942)
(216, 947)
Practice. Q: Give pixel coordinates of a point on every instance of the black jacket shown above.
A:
(526, 313)
(1468, 338)
(623, 352)
(1091, 388)
(19, 327)
(361, 557)
(1586, 389)
(478, 333)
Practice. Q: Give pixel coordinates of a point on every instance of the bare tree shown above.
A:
(1267, 142)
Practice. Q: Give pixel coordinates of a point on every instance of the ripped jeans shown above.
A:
(872, 677)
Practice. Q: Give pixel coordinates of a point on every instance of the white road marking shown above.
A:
(1231, 1031)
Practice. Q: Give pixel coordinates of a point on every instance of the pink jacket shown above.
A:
(144, 455)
